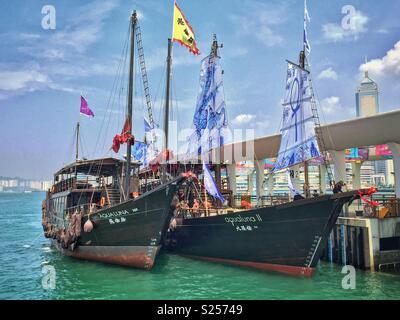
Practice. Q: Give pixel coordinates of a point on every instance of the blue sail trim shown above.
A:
(299, 101)
(298, 123)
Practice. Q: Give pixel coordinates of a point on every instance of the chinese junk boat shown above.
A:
(289, 237)
(94, 211)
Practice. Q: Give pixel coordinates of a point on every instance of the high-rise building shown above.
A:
(367, 104)
(367, 97)
(390, 173)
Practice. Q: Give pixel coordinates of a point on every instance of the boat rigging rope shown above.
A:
(110, 102)
(319, 107)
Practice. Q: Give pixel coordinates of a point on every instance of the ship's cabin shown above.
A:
(86, 186)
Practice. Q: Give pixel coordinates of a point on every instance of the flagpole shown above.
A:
(173, 12)
(131, 78)
(304, 24)
(167, 98)
(77, 142)
(77, 131)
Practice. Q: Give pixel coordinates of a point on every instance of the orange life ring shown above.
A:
(102, 201)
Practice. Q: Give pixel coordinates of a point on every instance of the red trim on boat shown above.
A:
(290, 270)
(131, 256)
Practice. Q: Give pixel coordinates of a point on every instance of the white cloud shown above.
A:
(237, 51)
(328, 73)
(27, 79)
(335, 32)
(60, 53)
(331, 110)
(243, 119)
(260, 21)
(387, 66)
(80, 31)
(141, 16)
(29, 36)
(331, 105)
(85, 28)
(157, 58)
(15, 81)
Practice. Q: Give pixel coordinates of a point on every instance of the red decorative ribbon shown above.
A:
(245, 204)
(189, 174)
(369, 192)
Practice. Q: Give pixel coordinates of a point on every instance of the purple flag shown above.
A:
(85, 108)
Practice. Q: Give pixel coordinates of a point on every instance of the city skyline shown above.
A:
(18, 184)
(43, 72)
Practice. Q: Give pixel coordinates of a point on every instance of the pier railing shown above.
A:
(389, 205)
(240, 201)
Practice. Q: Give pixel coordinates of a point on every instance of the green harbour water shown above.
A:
(24, 252)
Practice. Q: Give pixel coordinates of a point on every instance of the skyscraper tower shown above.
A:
(367, 102)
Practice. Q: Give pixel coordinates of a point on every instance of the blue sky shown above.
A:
(43, 72)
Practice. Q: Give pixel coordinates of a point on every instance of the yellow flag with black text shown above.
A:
(182, 31)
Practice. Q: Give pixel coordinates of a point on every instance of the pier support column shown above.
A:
(339, 160)
(270, 184)
(296, 178)
(395, 148)
(250, 183)
(373, 243)
(259, 166)
(330, 248)
(231, 170)
(356, 171)
(343, 244)
(322, 179)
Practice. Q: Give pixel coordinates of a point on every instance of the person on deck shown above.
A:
(306, 190)
(338, 187)
(191, 199)
(207, 206)
(315, 194)
(195, 208)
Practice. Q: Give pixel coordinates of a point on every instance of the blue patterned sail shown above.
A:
(210, 116)
(299, 142)
(139, 151)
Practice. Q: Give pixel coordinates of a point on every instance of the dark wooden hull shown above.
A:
(130, 233)
(288, 238)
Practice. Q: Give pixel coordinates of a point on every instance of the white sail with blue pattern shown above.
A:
(299, 141)
(210, 117)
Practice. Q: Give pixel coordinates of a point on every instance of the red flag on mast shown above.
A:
(124, 137)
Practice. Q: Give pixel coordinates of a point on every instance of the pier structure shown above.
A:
(366, 132)
(371, 235)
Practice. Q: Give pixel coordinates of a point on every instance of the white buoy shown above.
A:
(88, 226)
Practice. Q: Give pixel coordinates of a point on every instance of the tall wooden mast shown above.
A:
(302, 64)
(130, 101)
(166, 110)
(167, 93)
(217, 168)
(77, 142)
